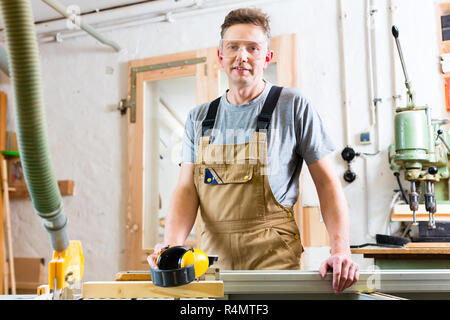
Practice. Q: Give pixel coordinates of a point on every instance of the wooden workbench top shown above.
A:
(415, 248)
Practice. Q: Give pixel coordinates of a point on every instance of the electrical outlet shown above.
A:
(365, 138)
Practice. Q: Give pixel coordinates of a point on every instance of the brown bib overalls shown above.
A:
(243, 223)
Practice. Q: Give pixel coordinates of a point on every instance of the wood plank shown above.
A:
(187, 55)
(6, 209)
(207, 76)
(428, 245)
(169, 73)
(144, 275)
(401, 212)
(3, 106)
(146, 289)
(314, 232)
(133, 276)
(134, 255)
(30, 273)
(405, 251)
(66, 187)
(286, 48)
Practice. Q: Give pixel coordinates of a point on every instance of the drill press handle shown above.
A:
(395, 33)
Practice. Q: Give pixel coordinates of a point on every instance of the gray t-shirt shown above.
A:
(295, 133)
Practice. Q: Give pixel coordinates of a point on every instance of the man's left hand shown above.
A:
(345, 271)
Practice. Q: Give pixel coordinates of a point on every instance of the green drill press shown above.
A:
(421, 149)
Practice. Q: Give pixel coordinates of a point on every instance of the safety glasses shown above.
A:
(230, 48)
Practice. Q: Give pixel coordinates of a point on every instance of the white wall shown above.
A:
(84, 81)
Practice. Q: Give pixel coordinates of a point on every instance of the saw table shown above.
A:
(378, 284)
(274, 285)
(283, 284)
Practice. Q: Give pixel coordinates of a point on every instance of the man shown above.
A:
(246, 184)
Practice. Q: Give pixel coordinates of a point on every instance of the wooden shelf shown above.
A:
(66, 188)
(8, 154)
(372, 251)
(401, 212)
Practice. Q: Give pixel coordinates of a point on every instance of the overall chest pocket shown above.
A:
(227, 174)
(230, 192)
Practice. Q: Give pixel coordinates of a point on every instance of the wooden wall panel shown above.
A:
(3, 267)
(313, 232)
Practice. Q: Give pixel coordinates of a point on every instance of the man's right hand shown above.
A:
(154, 256)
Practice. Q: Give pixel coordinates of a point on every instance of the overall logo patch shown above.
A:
(212, 177)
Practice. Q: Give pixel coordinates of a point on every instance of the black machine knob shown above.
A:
(395, 31)
(432, 170)
(349, 176)
(348, 154)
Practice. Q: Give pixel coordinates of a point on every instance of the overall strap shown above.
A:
(208, 122)
(265, 116)
(263, 119)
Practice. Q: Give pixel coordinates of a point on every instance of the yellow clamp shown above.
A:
(66, 266)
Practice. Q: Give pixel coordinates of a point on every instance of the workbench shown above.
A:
(283, 285)
(412, 256)
(288, 284)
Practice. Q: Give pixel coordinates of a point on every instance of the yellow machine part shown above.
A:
(66, 266)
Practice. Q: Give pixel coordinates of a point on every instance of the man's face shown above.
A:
(243, 54)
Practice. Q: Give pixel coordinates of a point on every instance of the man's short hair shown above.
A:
(249, 16)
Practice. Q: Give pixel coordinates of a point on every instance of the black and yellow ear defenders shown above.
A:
(179, 265)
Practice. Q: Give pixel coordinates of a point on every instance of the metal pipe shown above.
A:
(369, 61)
(367, 193)
(376, 98)
(141, 20)
(77, 21)
(346, 100)
(128, 12)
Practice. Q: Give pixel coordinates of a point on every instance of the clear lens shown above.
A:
(230, 48)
